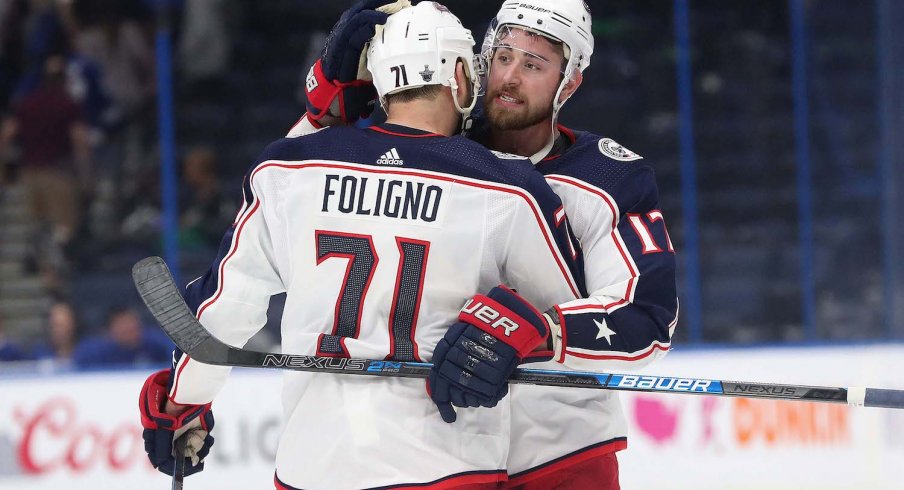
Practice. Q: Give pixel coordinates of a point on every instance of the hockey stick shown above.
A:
(179, 468)
(163, 299)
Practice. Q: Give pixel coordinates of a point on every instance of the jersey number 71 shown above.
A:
(362, 262)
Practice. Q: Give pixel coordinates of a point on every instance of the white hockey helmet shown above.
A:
(567, 21)
(420, 46)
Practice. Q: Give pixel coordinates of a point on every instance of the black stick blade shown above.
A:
(160, 294)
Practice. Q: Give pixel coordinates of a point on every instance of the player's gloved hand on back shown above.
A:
(337, 84)
(474, 360)
(161, 428)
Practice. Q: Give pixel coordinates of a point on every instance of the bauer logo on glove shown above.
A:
(491, 318)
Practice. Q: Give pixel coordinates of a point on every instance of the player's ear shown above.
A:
(464, 84)
(571, 86)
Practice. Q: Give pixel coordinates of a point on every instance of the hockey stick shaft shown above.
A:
(164, 300)
(179, 467)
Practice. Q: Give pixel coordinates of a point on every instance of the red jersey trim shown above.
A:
(314, 122)
(563, 329)
(570, 309)
(559, 464)
(567, 132)
(393, 133)
(233, 249)
(451, 481)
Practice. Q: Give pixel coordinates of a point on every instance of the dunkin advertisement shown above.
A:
(81, 431)
(701, 442)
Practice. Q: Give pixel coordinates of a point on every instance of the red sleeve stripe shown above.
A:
(563, 329)
(582, 309)
(616, 237)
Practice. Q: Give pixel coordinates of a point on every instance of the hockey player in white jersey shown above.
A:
(378, 237)
(536, 51)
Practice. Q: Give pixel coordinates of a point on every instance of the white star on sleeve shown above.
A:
(605, 331)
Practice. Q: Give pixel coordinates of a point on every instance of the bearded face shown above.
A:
(507, 108)
(525, 73)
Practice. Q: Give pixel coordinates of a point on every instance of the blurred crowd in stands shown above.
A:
(79, 155)
(79, 172)
(123, 341)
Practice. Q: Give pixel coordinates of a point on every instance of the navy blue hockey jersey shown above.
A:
(612, 202)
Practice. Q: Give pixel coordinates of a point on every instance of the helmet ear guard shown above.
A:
(420, 46)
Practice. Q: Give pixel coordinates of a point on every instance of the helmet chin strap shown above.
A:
(540, 155)
(554, 130)
(465, 112)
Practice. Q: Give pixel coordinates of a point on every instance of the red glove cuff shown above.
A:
(152, 402)
(321, 92)
(502, 323)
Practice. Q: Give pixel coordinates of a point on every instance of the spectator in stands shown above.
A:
(62, 334)
(55, 156)
(121, 49)
(9, 351)
(126, 343)
(205, 212)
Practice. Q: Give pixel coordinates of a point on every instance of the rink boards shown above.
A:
(74, 431)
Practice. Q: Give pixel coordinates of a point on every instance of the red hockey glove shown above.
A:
(333, 85)
(161, 429)
(474, 360)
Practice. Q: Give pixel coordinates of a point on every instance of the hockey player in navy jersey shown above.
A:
(536, 52)
(378, 237)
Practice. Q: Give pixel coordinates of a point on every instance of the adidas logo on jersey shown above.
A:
(391, 157)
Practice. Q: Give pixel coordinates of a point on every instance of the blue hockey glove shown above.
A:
(474, 360)
(333, 85)
(160, 428)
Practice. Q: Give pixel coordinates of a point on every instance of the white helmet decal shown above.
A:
(420, 46)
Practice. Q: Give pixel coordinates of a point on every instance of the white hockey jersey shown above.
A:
(377, 236)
